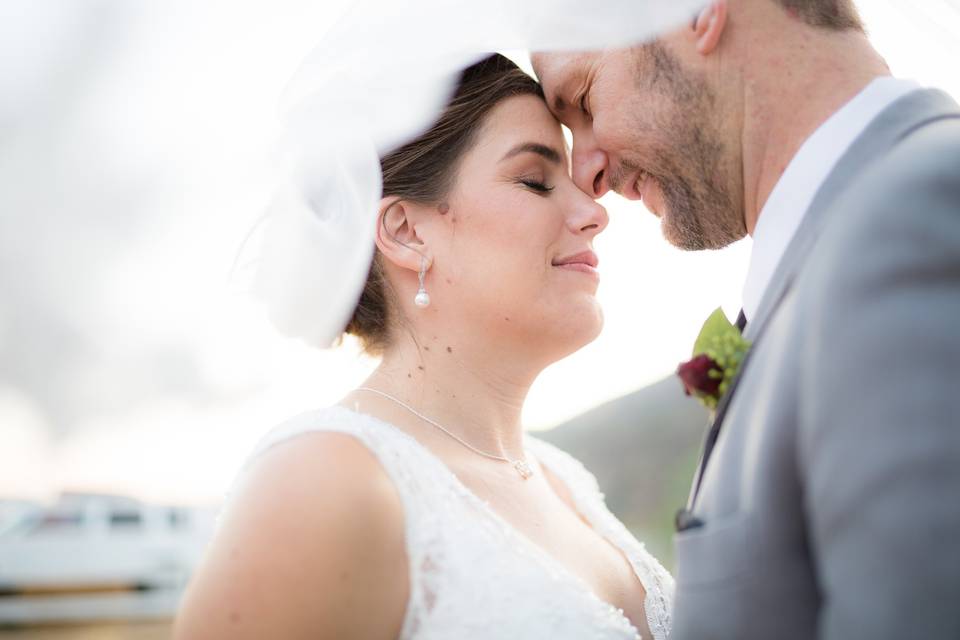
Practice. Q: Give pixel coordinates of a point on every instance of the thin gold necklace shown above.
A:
(520, 464)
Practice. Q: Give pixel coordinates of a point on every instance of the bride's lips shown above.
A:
(585, 261)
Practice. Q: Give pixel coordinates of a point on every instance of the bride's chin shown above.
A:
(582, 328)
(597, 327)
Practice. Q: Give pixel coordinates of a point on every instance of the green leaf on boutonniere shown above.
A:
(717, 355)
(716, 327)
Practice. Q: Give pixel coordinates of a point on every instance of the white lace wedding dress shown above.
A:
(472, 574)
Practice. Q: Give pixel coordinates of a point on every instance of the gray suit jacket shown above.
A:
(830, 507)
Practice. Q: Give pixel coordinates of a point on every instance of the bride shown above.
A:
(418, 507)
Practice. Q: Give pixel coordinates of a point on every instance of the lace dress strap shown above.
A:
(414, 476)
(586, 494)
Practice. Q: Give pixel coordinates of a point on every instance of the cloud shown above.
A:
(87, 181)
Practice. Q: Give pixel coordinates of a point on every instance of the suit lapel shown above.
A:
(893, 124)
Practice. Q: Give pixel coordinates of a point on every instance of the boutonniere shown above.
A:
(717, 356)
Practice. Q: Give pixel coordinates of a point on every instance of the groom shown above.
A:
(827, 504)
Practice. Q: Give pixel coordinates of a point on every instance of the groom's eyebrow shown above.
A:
(537, 148)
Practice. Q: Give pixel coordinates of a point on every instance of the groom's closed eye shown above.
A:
(584, 104)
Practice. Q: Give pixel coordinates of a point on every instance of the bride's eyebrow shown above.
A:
(543, 150)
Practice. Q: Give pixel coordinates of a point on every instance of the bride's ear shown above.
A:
(397, 237)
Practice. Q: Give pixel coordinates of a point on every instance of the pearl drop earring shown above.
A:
(422, 299)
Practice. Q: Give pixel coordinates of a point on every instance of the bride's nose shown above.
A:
(589, 164)
(587, 217)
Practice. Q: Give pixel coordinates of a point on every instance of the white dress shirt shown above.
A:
(803, 177)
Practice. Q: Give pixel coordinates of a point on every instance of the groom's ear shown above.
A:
(397, 237)
(709, 25)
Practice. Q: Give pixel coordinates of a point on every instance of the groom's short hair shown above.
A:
(838, 15)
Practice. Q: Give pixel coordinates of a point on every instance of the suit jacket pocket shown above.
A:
(713, 553)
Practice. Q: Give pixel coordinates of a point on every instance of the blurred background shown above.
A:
(136, 156)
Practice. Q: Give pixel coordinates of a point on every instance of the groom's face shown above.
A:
(650, 130)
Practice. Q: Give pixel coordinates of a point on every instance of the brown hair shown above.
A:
(424, 170)
(837, 15)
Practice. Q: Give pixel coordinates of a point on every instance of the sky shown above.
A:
(137, 153)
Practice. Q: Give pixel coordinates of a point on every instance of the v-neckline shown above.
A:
(547, 560)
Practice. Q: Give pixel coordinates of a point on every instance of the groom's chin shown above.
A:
(689, 232)
(679, 233)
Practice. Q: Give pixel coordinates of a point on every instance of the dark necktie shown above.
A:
(741, 322)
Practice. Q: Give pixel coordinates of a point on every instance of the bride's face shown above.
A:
(513, 257)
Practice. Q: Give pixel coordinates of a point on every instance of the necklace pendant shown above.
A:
(523, 468)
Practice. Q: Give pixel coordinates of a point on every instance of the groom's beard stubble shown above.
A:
(702, 196)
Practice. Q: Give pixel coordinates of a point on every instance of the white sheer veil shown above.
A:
(381, 76)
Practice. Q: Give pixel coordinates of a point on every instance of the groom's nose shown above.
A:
(590, 164)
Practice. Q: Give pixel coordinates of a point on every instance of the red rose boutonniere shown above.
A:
(717, 356)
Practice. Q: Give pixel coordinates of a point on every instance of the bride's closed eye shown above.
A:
(535, 185)
(542, 153)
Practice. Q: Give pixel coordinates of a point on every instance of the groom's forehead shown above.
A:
(559, 65)
(556, 70)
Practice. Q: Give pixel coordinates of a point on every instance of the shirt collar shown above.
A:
(803, 177)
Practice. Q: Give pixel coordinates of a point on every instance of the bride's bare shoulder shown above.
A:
(311, 542)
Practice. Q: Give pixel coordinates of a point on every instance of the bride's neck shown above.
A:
(477, 395)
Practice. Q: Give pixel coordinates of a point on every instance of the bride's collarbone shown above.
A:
(533, 508)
